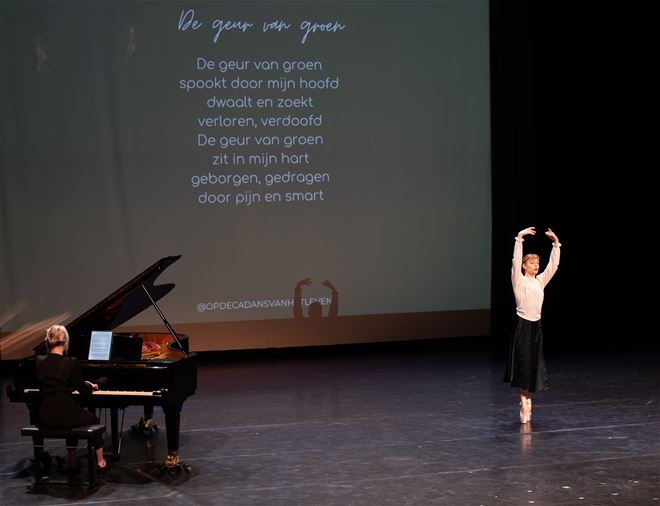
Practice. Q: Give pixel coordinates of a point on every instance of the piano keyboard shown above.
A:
(134, 393)
(126, 393)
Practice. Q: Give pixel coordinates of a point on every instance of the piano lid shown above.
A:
(124, 303)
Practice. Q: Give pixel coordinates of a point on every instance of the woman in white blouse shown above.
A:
(526, 366)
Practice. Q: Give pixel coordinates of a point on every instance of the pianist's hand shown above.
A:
(93, 385)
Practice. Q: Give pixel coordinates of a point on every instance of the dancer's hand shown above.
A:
(527, 231)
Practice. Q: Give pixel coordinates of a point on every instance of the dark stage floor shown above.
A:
(374, 426)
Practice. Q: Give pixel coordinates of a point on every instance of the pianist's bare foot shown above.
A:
(100, 460)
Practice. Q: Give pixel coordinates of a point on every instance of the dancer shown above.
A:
(526, 366)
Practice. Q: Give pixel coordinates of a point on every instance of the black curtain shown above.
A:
(548, 159)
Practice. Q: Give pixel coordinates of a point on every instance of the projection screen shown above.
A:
(341, 146)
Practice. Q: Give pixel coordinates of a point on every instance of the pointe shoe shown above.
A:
(529, 409)
(525, 412)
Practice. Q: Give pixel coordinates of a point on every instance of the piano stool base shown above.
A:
(42, 482)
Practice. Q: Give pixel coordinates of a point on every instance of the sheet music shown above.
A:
(100, 344)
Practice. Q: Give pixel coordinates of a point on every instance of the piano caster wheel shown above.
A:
(173, 465)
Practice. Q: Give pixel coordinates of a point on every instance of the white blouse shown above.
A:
(528, 291)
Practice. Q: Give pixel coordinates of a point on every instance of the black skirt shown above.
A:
(526, 366)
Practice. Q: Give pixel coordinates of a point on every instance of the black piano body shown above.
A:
(165, 376)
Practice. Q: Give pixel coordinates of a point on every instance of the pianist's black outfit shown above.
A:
(58, 377)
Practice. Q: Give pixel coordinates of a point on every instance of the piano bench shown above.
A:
(87, 432)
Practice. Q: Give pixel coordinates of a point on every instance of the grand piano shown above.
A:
(162, 372)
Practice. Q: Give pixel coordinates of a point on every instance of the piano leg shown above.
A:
(148, 412)
(114, 430)
(172, 426)
(115, 441)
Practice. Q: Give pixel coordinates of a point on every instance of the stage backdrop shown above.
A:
(265, 142)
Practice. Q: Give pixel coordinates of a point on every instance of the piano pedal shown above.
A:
(145, 427)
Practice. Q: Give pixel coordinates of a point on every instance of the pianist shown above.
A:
(58, 377)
